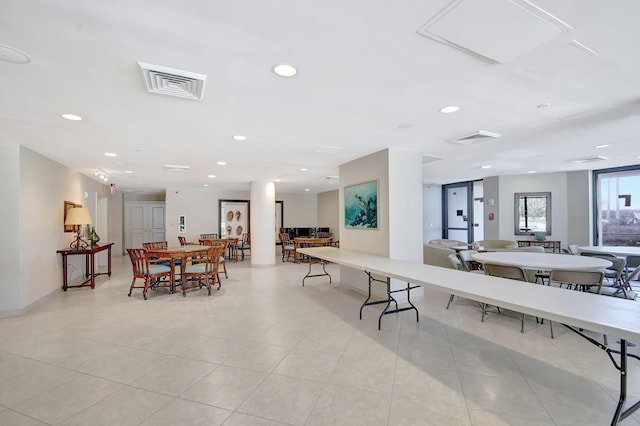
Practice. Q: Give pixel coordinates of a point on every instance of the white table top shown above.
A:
(546, 261)
(614, 250)
(601, 314)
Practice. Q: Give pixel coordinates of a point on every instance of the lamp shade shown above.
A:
(78, 216)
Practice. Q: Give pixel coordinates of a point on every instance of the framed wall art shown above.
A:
(69, 205)
(234, 218)
(361, 206)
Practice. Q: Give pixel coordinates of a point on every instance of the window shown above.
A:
(617, 206)
(532, 213)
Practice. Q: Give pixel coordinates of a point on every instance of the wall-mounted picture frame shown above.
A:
(69, 205)
(234, 218)
(361, 205)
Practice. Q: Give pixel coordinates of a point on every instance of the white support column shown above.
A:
(263, 222)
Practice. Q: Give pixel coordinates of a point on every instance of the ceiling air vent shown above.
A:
(588, 159)
(477, 137)
(172, 82)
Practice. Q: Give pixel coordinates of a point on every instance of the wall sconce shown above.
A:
(78, 216)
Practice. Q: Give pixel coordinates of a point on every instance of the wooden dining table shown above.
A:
(232, 246)
(180, 252)
(301, 242)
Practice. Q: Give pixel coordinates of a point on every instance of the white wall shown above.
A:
(432, 212)
(38, 187)
(328, 212)
(492, 202)
(10, 278)
(300, 210)
(373, 167)
(405, 205)
(579, 208)
(399, 176)
(201, 209)
(200, 206)
(116, 222)
(556, 183)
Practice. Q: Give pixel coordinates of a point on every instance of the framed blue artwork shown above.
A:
(361, 206)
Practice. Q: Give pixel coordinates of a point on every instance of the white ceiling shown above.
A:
(367, 81)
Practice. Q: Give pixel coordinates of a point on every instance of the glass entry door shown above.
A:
(457, 207)
(461, 203)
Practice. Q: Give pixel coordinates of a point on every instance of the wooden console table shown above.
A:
(554, 246)
(89, 262)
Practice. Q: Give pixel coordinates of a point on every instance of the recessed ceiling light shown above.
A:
(13, 55)
(449, 109)
(211, 176)
(205, 184)
(277, 180)
(128, 171)
(176, 168)
(110, 154)
(307, 189)
(303, 169)
(486, 167)
(604, 145)
(285, 70)
(240, 137)
(72, 117)
(221, 163)
(531, 171)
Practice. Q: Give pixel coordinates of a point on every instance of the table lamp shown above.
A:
(78, 216)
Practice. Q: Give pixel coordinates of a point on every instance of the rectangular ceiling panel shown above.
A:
(498, 30)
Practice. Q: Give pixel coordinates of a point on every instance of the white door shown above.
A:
(143, 222)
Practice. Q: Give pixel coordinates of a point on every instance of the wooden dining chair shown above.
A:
(288, 247)
(183, 241)
(150, 273)
(223, 256)
(504, 271)
(155, 245)
(245, 245)
(208, 236)
(203, 269)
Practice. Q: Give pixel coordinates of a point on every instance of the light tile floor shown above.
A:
(266, 351)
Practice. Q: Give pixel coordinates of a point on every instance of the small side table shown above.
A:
(89, 262)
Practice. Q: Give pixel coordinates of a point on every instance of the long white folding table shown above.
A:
(622, 251)
(545, 261)
(576, 310)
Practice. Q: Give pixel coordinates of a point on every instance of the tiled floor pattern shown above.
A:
(266, 351)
